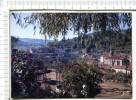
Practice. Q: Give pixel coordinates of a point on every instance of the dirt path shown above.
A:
(49, 77)
(114, 91)
(109, 90)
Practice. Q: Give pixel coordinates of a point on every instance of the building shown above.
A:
(102, 65)
(73, 51)
(122, 69)
(117, 63)
(32, 50)
(103, 71)
(130, 68)
(84, 50)
(130, 58)
(86, 56)
(59, 51)
(43, 50)
(112, 60)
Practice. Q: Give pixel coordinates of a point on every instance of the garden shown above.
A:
(77, 79)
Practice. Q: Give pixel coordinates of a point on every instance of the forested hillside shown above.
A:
(120, 41)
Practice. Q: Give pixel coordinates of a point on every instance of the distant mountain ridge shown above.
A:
(34, 42)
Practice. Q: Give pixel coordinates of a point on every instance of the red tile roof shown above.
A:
(106, 55)
(129, 56)
(115, 57)
(102, 71)
(130, 67)
(107, 66)
(102, 64)
(123, 67)
(119, 67)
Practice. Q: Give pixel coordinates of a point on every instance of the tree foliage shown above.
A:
(78, 74)
(55, 24)
(120, 41)
(14, 40)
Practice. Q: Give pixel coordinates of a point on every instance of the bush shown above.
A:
(76, 75)
(112, 71)
(108, 76)
(23, 76)
(118, 76)
(122, 79)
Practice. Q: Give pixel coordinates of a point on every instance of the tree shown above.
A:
(14, 40)
(55, 24)
(80, 74)
(126, 61)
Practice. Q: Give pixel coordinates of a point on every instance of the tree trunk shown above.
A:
(126, 69)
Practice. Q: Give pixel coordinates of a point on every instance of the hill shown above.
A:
(120, 41)
(25, 43)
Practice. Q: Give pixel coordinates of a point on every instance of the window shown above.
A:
(118, 62)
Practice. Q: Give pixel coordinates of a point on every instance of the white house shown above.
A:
(102, 64)
(122, 69)
(102, 59)
(115, 62)
(130, 58)
(112, 60)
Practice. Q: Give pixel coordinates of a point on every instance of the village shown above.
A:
(71, 55)
(106, 61)
(46, 60)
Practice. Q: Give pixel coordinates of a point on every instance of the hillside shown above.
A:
(32, 42)
(120, 41)
(26, 43)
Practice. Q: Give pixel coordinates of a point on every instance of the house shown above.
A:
(118, 68)
(74, 53)
(86, 56)
(102, 65)
(102, 58)
(51, 50)
(43, 50)
(112, 60)
(115, 62)
(59, 51)
(103, 71)
(122, 69)
(107, 67)
(32, 50)
(84, 50)
(130, 68)
(129, 57)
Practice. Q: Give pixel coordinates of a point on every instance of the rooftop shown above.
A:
(115, 57)
(130, 67)
(102, 71)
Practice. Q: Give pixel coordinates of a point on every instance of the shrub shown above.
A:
(122, 79)
(108, 76)
(22, 71)
(76, 75)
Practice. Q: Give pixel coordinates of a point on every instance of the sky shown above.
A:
(28, 32)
